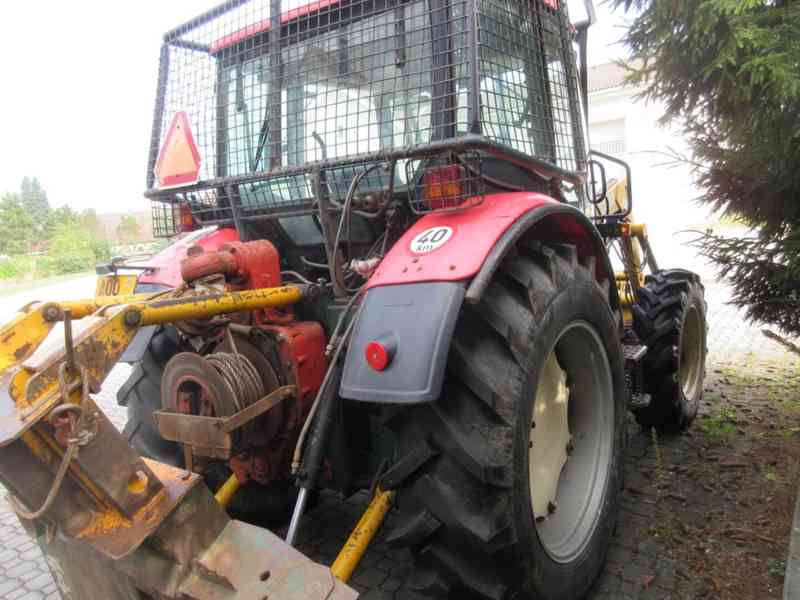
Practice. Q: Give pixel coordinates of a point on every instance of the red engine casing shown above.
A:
(302, 349)
(300, 345)
(246, 265)
(164, 268)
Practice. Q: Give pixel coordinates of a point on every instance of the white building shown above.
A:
(623, 125)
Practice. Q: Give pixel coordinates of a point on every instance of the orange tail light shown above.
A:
(441, 186)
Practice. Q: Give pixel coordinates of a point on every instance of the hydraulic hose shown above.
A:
(325, 404)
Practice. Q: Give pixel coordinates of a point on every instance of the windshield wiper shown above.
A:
(322, 145)
(263, 135)
(241, 107)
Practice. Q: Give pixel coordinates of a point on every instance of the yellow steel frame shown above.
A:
(115, 321)
(31, 383)
(112, 323)
(633, 237)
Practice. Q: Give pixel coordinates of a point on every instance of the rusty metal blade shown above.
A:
(257, 409)
(204, 434)
(210, 436)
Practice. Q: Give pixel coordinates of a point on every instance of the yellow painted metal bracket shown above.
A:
(633, 239)
(83, 308)
(21, 336)
(29, 379)
(169, 310)
(46, 380)
(355, 546)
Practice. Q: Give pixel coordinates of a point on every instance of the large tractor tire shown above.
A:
(141, 394)
(670, 319)
(509, 484)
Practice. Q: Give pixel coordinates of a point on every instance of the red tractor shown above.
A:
(420, 169)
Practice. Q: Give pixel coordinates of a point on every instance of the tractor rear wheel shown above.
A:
(512, 478)
(670, 319)
(141, 394)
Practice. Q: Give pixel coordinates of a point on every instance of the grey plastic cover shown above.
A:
(418, 319)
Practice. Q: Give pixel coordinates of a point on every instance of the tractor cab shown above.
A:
(430, 101)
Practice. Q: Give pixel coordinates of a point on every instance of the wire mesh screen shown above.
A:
(166, 218)
(528, 84)
(342, 79)
(274, 88)
(189, 211)
(204, 207)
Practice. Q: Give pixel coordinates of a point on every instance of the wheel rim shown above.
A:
(573, 409)
(691, 354)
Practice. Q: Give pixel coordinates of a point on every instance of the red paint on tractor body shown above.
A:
(475, 231)
(165, 267)
(248, 265)
(302, 346)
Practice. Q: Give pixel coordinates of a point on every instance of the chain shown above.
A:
(80, 435)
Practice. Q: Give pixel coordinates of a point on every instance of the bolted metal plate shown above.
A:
(251, 563)
(117, 537)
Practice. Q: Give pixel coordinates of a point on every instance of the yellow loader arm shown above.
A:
(91, 500)
(634, 247)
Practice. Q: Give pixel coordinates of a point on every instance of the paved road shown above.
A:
(24, 576)
(73, 288)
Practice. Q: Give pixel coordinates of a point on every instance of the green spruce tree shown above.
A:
(729, 72)
(34, 200)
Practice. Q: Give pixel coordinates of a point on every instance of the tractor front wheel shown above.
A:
(517, 467)
(670, 319)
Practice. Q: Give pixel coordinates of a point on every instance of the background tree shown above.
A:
(63, 216)
(90, 222)
(34, 200)
(90, 225)
(73, 242)
(128, 230)
(16, 226)
(729, 72)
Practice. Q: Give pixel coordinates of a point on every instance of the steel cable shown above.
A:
(240, 377)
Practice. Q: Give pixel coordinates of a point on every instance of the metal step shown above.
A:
(638, 401)
(633, 353)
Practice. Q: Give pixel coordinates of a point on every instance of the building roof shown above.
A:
(607, 76)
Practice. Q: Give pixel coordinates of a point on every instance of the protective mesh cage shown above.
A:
(276, 92)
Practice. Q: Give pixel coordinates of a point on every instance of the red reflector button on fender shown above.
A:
(377, 356)
(379, 353)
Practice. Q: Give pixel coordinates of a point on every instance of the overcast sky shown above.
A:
(78, 89)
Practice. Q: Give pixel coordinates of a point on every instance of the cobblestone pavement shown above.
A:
(633, 554)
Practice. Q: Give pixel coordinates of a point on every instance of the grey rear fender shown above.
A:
(415, 321)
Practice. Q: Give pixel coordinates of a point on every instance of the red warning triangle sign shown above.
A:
(178, 160)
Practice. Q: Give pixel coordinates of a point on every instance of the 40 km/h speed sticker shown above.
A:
(430, 239)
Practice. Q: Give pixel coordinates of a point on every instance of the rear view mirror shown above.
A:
(598, 186)
(581, 13)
